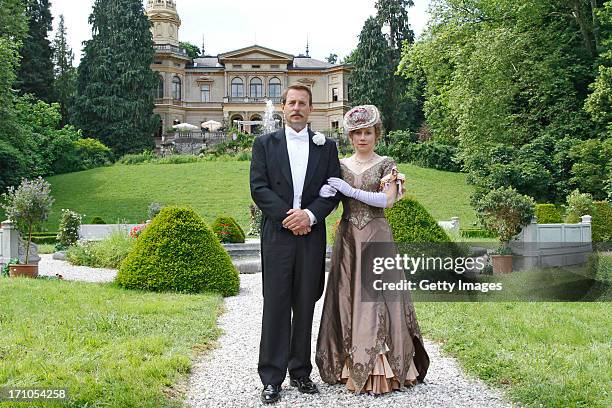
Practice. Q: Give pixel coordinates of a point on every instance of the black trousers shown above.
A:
(292, 277)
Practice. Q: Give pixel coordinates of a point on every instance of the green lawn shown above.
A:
(107, 346)
(541, 354)
(123, 192)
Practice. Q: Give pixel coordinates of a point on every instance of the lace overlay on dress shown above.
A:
(357, 213)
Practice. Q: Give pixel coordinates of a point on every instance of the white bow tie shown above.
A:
(293, 135)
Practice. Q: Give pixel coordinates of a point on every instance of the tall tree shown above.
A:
(13, 27)
(508, 81)
(115, 83)
(65, 73)
(403, 104)
(193, 51)
(599, 102)
(394, 14)
(35, 74)
(372, 71)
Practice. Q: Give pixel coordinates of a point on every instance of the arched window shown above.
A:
(256, 88)
(160, 88)
(237, 88)
(275, 88)
(176, 88)
(234, 121)
(256, 128)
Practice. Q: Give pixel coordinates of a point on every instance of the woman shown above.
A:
(373, 347)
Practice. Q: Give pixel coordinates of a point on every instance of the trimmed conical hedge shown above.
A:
(410, 223)
(228, 231)
(179, 252)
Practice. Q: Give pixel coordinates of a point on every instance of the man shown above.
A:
(287, 171)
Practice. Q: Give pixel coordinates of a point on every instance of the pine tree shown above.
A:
(35, 74)
(115, 83)
(65, 73)
(13, 28)
(394, 13)
(403, 108)
(372, 72)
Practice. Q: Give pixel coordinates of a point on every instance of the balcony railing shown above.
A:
(170, 48)
(213, 104)
(162, 3)
(248, 99)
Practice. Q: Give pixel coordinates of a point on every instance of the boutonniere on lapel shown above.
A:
(318, 139)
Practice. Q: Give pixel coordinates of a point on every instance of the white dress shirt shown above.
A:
(298, 146)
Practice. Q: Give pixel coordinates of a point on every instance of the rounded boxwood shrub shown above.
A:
(97, 220)
(602, 222)
(547, 214)
(228, 231)
(415, 230)
(410, 222)
(179, 252)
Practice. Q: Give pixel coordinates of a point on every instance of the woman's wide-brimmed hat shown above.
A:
(360, 117)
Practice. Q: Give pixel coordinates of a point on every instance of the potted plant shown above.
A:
(507, 212)
(28, 206)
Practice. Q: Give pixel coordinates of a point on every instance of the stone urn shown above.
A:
(23, 271)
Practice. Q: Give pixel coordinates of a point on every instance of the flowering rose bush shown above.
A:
(137, 230)
(68, 232)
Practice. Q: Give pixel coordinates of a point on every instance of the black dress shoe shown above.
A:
(304, 385)
(270, 394)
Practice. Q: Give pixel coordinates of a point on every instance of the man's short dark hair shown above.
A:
(297, 88)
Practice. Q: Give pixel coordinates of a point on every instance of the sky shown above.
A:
(331, 26)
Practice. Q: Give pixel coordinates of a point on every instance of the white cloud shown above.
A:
(331, 26)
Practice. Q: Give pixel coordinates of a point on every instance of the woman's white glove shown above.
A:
(342, 186)
(327, 191)
(368, 197)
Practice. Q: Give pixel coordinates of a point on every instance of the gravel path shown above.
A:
(227, 377)
(50, 267)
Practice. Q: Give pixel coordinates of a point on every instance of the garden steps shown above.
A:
(246, 257)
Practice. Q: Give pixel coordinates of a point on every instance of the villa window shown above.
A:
(176, 88)
(256, 88)
(237, 88)
(160, 88)
(205, 93)
(334, 94)
(275, 88)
